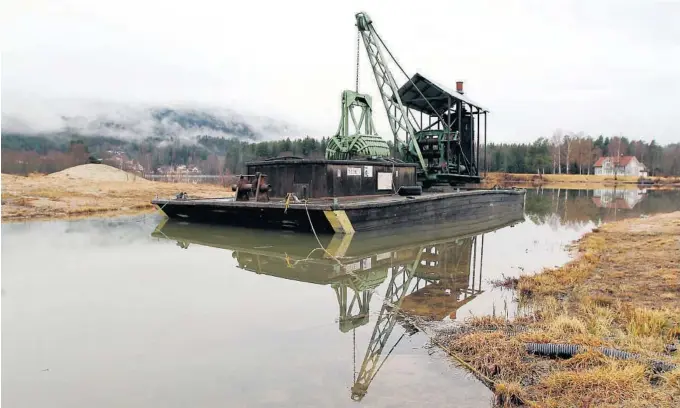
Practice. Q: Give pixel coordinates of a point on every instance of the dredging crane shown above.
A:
(441, 141)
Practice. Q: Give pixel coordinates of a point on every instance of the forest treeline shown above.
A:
(570, 153)
(576, 154)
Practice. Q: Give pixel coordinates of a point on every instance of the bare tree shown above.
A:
(579, 157)
(585, 150)
(581, 147)
(615, 147)
(212, 165)
(556, 147)
(640, 151)
(595, 153)
(568, 144)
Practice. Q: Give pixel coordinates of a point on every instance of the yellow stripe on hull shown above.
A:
(160, 209)
(339, 221)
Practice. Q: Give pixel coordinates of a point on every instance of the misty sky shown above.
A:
(609, 67)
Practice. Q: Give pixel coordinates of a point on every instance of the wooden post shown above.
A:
(257, 185)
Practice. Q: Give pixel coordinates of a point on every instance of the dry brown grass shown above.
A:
(622, 292)
(609, 383)
(495, 355)
(41, 197)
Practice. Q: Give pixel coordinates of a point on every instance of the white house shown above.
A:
(622, 166)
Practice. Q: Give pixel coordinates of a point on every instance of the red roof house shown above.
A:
(623, 166)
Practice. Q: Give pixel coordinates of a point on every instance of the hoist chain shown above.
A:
(358, 46)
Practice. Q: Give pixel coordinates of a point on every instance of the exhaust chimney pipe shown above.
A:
(459, 87)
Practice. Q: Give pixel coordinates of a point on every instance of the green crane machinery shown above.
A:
(442, 141)
(358, 138)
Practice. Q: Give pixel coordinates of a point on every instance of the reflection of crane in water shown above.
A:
(430, 268)
(431, 280)
(400, 282)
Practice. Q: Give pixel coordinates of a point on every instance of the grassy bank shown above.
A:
(621, 292)
(576, 181)
(87, 194)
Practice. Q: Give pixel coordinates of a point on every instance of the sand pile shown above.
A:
(97, 172)
(10, 177)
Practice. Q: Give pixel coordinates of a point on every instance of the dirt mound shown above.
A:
(10, 177)
(97, 172)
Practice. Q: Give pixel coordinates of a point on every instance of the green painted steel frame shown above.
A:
(358, 138)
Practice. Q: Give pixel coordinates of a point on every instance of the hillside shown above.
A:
(23, 154)
(137, 122)
(49, 137)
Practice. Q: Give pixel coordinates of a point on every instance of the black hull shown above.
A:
(360, 215)
(250, 217)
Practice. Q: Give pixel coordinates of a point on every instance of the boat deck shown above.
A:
(327, 203)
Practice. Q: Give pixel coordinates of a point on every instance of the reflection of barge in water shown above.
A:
(431, 274)
(362, 260)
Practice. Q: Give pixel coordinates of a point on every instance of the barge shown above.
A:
(334, 196)
(363, 184)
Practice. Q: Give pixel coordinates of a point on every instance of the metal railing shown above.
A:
(225, 180)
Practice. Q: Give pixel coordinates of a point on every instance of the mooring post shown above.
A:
(257, 185)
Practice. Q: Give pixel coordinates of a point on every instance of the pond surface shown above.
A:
(140, 312)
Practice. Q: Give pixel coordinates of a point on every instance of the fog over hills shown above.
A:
(183, 122)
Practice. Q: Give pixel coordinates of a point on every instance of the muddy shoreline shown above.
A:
(621, 293)
(44, 198)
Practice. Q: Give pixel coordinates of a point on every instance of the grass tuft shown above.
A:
(612, 383)
(509, 394)
(493, 354)
(585, 360)
(648, 322)
(672, 380)
(566, 326)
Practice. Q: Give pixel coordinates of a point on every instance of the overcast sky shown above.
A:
(595, 66)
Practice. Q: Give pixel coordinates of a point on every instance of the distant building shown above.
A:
(623, 166)
(133, 166)
(181, 170)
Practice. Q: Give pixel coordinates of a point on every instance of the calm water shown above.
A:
(137, 312)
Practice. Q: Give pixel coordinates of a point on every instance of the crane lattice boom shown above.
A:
(389, 91)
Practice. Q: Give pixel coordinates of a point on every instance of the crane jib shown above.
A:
(396, 112)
